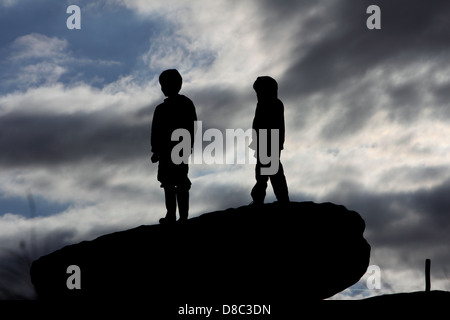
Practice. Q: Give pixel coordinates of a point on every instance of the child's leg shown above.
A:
(183, 203)
(183, 186)
(279, 185)
(258, 192)
(171, 203)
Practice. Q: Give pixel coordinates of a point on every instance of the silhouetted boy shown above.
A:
(269, 115)
(176, 112)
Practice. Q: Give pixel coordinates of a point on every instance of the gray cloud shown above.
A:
(413, 224)
(44, 139)
(224, 108)
(412, 32)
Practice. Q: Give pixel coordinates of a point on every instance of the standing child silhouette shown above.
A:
(176, 112)
(269, 115)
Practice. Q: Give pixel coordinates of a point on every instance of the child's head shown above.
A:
(266, 88)
(170, 81)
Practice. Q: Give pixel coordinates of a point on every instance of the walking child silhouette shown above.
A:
(269, 115)
(176, 112)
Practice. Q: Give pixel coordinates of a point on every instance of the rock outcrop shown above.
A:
(297, 251)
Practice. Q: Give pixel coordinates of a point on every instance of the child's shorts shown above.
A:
(174, 175)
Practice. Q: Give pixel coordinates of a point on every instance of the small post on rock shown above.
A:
(427, 275)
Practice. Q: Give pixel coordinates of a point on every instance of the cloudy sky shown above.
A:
(367, 115)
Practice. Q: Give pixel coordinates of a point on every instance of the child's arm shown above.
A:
(155, 158)
(194, 125)
(282, 127)
(154, 140)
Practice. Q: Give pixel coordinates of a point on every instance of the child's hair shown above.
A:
(266, 85)
(171, 80)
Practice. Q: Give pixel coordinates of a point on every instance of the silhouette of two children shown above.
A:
(178, 112)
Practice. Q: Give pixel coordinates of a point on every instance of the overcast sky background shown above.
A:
(367, 119)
